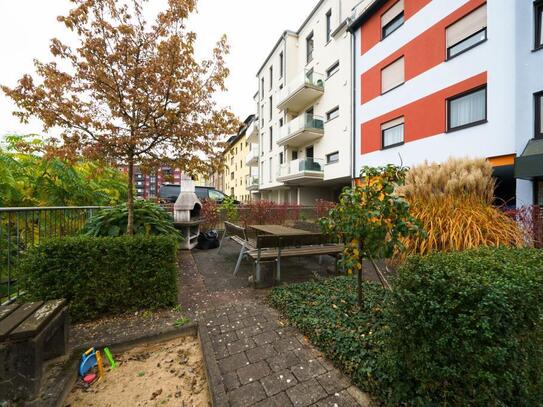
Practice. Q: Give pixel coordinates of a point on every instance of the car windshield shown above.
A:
(216, 195)
(169, 191)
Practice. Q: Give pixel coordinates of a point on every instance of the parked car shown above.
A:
(168, 193)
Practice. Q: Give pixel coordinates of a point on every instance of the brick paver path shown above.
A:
(258, 360)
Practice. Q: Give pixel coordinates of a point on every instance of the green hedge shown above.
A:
(466, 328)
(103, 275)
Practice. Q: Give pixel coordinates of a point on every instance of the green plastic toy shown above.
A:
(109, 358)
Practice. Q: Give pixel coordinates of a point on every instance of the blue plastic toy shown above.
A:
(88, 361)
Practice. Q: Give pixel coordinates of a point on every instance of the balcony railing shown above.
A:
(252, 156)
(301, 91)
(252, 182)
(301, 130)
(303, 169)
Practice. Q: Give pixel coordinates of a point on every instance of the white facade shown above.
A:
(513, 74)
(304, 108)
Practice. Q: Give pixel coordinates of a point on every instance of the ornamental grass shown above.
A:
(454, 203)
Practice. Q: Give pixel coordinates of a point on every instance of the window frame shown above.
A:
(448, 51)
(386, 147)
(309, 56)
(538, 25)
(332, 70)
(328, 26)
(385, 67)
(538, 106)
(460, 95)
(271, 138)
(391, 22)
(330, 112)
(271, 77)
(328, 156)
(281, 63)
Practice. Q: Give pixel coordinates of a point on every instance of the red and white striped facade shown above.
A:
(407, 77)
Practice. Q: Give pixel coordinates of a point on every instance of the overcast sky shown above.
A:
(252, 27)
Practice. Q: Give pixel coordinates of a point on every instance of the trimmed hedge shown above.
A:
(459, 329)
(102, 275)
(466, 328)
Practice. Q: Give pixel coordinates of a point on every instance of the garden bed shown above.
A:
(169, 373)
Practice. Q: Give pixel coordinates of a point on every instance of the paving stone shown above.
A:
(279, 400)
(221, 352)
(240, 345)
(252, 321)
(224, 338)
(333, 381)
(231, 381)
(283, 361)
(307, 393)
(247, 395)
(266, 337)
(248, 332)
(233, 362)
(253, 372)
(260, 353)
(361, 398)
(308, 370)
(327, 364)
(277, 382)
(286, 344)
(341, 399)
(228, 327)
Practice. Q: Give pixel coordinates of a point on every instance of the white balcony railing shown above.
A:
(304, 88)
(252, 156)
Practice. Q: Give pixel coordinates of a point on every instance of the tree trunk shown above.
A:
(130, 203)
(360, 259)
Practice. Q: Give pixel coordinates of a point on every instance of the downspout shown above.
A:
(353, 109)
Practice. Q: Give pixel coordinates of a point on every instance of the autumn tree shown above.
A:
(132, 92)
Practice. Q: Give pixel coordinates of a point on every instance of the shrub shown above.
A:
(322, 207)
(466, 328)
(149, 219)
(210, 214)
(103, 275)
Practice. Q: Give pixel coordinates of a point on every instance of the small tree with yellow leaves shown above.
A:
(371, 219)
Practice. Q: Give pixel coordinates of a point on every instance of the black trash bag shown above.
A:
(208, 240)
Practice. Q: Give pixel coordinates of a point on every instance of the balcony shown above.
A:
(300, 92)
(301, 131)
(302, 171)
(252, 156)
(252, 183)
(252, 132)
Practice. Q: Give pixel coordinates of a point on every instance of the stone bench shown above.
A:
(30, 334)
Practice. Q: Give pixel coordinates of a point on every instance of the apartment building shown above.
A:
(441, 78)
(147, 184)
(304, 109)
(236, 155)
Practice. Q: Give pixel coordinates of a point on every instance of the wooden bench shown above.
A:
(30, 334)
(239, 235)
(275, 247)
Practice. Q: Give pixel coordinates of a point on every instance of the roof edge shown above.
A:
(367, 13)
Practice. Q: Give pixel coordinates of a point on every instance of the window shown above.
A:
(466, 33)
(328, 25)
(270, 171)
(271, 76)
(392, 133)
(392, 76)
(332, 157)
(281, 64)
(468, 109)
(271, 107)
(538, 9)
(281, 158)
(295, 154)
(281, 122)
(392, 19)
(332, 114)
(262, 88)
(271, 138)
(539, 115)
(332, 70)
(309, 46)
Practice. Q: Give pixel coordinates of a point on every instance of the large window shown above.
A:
(393, 75)
(328, 25)
(392, 19)
(539, 115)
(538, 9)
(309, 46)
(466, 33)
(466, 110)
(392, 133)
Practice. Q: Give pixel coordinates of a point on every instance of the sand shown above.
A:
(165, 374)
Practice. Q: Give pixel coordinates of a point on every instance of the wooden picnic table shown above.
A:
(278, 230)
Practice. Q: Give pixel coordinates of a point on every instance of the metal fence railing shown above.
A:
(22, 228)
